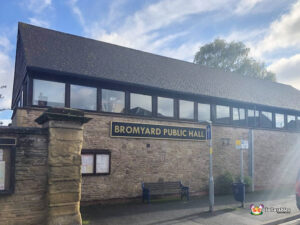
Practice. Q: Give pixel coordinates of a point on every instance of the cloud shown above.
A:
(6, 72)
(38, 6)
(39, 22)
(75, 9)
(142, 29)
(4, 122)
(287, 70)
(245, 6)
(283, 33)
(185, 51)
(38, 11)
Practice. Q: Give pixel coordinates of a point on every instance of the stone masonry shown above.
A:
(47, 171)
(27, 205)
(136, 160)
(64, 164)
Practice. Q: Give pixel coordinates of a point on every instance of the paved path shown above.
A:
(227, 211)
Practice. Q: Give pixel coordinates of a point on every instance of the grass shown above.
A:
(85, 222)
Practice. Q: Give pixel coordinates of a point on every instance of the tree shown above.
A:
(232, 57)
(2, 96)
(1, 87)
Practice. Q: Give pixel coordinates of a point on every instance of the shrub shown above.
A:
(247, 181)
(223, 183)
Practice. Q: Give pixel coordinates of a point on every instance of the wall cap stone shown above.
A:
(62, 114)
(23, 130)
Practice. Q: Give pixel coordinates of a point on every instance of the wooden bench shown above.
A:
(164, 188)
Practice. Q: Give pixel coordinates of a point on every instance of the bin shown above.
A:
(239, 191)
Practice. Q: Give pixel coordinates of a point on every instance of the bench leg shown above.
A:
(185, 193)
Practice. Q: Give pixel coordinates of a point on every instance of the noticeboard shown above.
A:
(7, 165)
(2, 175)
(87, 165)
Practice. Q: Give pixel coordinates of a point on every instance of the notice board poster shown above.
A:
(87, 165)
(2, 175)
(102, 163)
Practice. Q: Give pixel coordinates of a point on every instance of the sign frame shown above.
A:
(204, 130)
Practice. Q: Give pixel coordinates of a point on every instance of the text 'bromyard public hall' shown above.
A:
(147, 113)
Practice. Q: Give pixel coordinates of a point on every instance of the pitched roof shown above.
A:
(57, 51)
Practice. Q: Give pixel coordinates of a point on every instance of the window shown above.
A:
(48, 93)
(238, 116)
(253, 118)
(203, 112)
(186, 109)
(222, 114)
(279, 120)
(113, 101)
(140, 104)
(95, 162)
(291, 121)
(83, 97)
(165, 107)
(266, 119)
(20, 101)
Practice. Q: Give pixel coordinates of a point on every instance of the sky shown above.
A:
(173, 28)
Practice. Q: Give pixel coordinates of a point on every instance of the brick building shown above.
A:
(126, 92)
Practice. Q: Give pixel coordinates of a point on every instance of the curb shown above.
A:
(283, 220)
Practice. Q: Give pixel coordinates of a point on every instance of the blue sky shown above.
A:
(174, 28)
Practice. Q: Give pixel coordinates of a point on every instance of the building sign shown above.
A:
(139, 130)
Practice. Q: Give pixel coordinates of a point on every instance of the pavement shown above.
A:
(195, 211)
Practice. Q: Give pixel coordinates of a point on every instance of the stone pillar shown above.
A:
(64, 164)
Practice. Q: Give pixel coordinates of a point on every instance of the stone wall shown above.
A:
(27, 205)
(47, 171)
(132, 161)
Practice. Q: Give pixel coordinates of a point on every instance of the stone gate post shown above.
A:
(64, 164)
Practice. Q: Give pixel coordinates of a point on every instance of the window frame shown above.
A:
(96, 152)
(127, 89)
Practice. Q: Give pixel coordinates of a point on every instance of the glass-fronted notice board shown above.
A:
(7, 167)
